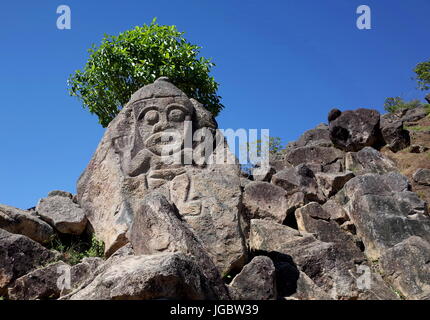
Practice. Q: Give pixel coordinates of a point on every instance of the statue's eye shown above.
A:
(176, 115)
(151, 117)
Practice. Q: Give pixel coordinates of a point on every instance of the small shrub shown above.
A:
(73, 249)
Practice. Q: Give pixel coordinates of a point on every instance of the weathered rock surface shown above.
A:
(299, 179)
(319, 136)
(159, 276)
(256, 281)
(43, 283)
(394, 135)
(422, 176)
(407, 265)
(384, 212)
(157, 227)
(368, 160)
(354, 130)
(329, 159)
(331, 183)
(80, 273)
(25, 223)
(129, 163)
(311, 256)
(62, 213)
(264, 200)
(18, 256)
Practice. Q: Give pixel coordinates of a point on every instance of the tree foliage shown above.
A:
(423, 75)
(122, 64)
(394, 104)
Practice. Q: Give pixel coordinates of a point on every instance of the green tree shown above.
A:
(122, 64)
(423, 75)
(394, 104)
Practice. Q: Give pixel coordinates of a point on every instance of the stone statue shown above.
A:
(159, 142)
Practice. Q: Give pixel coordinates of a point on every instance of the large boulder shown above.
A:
(39, 284)
(326, 159)
(331, 183)
(384, 212)
(353, 130)
(18, 256)
(264, 200)
(62, 213)
(302, 250)
(368, 160)
(320, 136)
(394, 135)
(157, 227)
(312, 218)
(256, 281)
(147, 147)
(79, 274)
(407, 266)
(422, 176)
(299, 179)
(25, 223)
(149, 277)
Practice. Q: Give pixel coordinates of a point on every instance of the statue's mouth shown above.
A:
(164, 143)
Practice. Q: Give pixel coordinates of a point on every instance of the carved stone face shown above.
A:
(160, 123)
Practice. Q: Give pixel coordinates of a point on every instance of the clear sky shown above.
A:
(282, 65)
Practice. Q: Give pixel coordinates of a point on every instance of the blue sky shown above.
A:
(282, 65)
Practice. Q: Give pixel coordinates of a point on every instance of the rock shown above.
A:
(336, 211)
(158, 227)
(325, 263)
(407, 266)
(43, 283)
(298, 179)
(422, 176)
(312, 218)
(331, 183)
(295, 284)
(256, 281)
(313, 257)
(149, 277)
(265, 201)
(428, 98)
(354, 130)
(368, 160)
(317, 155)
(63, 214)
(264, 174)
(212, 207)
(418, 149)
(130, 163)
(60, 193)
(82, 272)
(394, 135)
(316, 137)
(383, 212)
(18, 256)
(333, 114)
(25, 223)
(414, 114)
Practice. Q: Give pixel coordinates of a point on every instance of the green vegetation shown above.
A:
(422, 71)
(74, 249)
(122, 64)
(394, 104)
